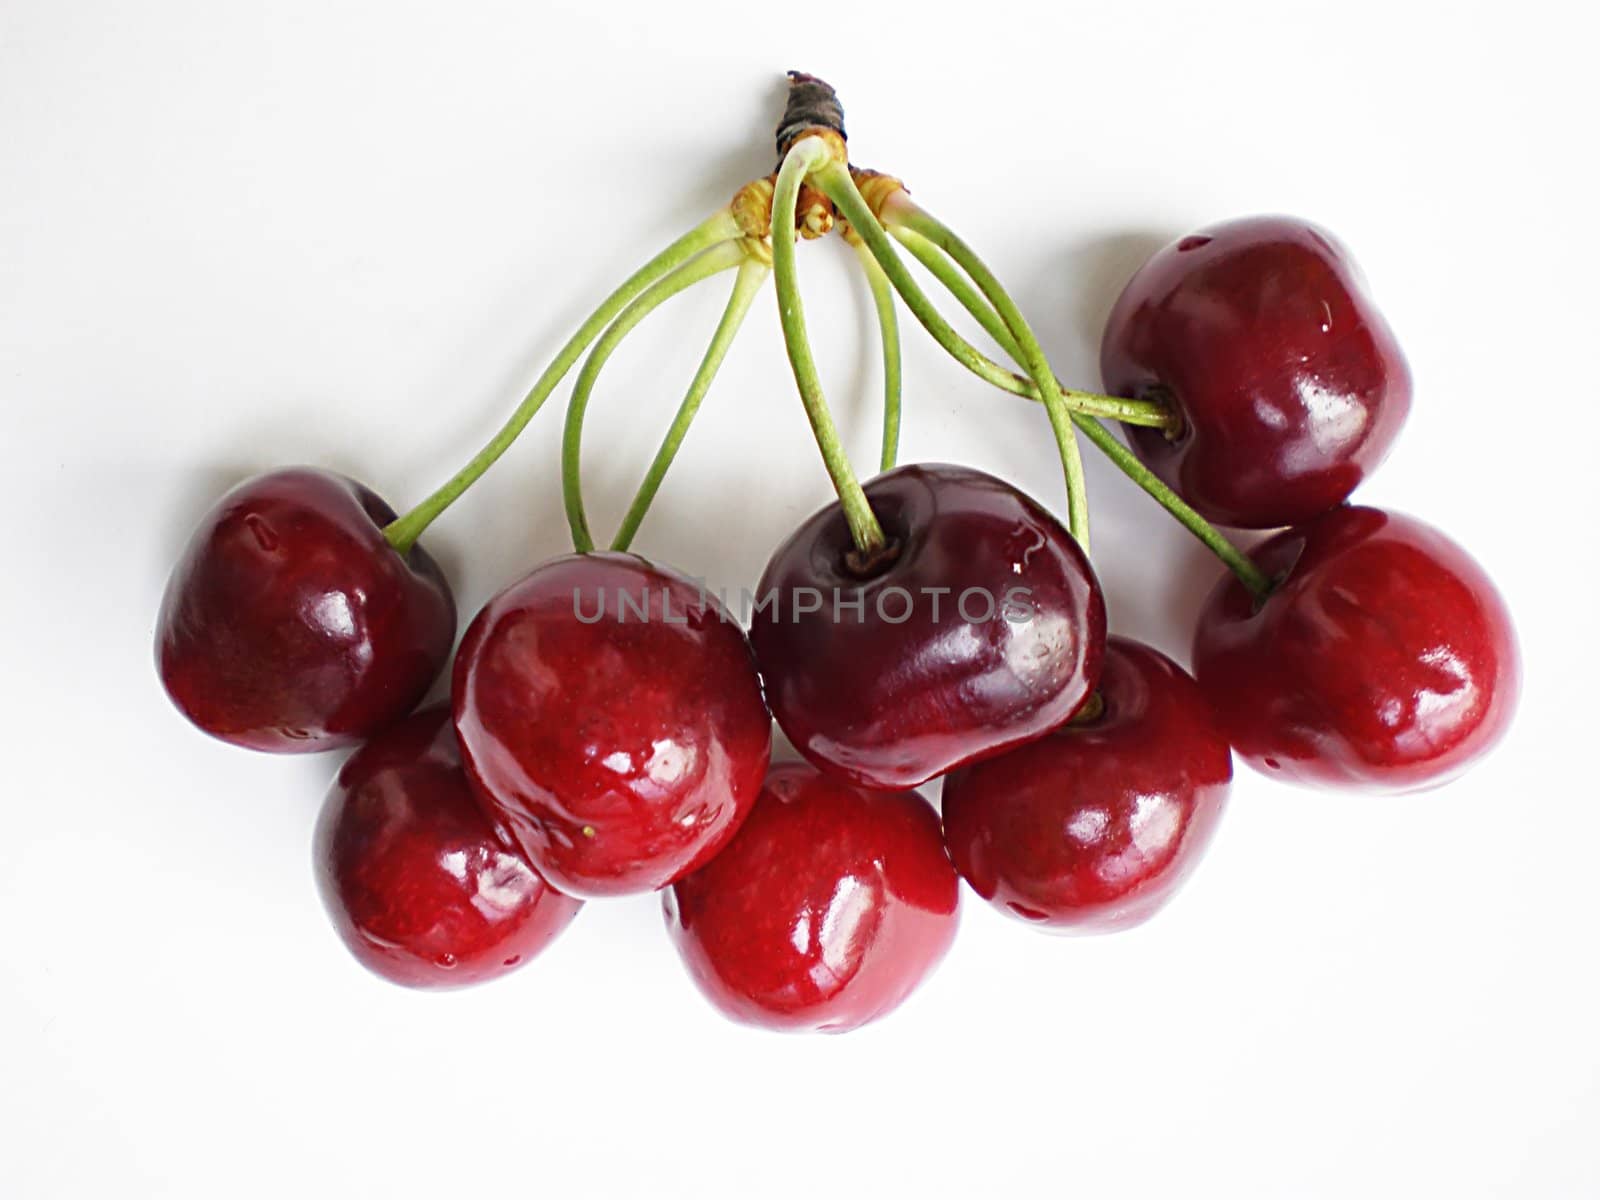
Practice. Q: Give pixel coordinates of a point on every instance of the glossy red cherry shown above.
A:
(830, 905)
(611, 720)
(1385, 659)
(1093, 827)
(985, 631)
(291, 625)
(416, 882)
(1289, 382)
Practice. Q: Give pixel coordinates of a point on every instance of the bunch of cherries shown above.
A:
(609, 724)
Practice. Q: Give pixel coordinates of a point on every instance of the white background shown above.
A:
(234, 236)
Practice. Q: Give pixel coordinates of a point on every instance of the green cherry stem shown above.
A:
(804, 157)
(752, 274)
(1252, 576)
(940, 266)
(836, 183)
(1146, 413)
(403, 532)
(718, 258)
(1033, 357)
(889, 331)
(841, 189)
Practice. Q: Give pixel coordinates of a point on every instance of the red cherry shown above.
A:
(417, 884)
(1092, 828)
(985, 631)
(611, 721)
(1385, 659)
(291, 625)
(830, 905)
(1289, 382)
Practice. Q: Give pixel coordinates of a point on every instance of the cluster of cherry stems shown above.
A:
(609, 730)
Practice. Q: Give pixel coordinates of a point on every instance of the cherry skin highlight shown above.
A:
(984, 631)
(1384, 659)
(611, 722)
(1092, 828)
(831, 904)
(1289, 382)
(419, 887)
(291, 625)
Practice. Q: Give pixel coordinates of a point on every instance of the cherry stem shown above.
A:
(719, 258)
(752, 274)
(1124, 459)
(403, 532)
(804, 157)
(838, 186)
(1032, 355)
(1132, 412)
(889, 331)
(1252, 576)
(1147, 413)
(955, 282)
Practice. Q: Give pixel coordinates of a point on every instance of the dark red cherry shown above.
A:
(829, 906)
(416, 882)
(611, 721)
(291, 625)
(1289, 382)
(1385, 659)
(1092, 828)
(984, 631)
